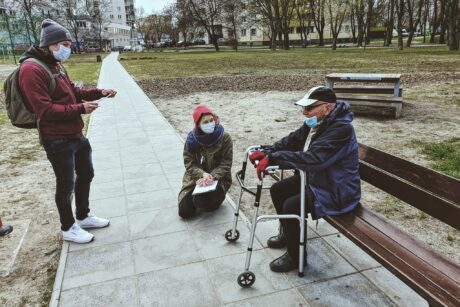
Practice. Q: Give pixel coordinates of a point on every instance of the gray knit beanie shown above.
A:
(53, 33)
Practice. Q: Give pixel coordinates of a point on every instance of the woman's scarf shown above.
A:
(197, 139)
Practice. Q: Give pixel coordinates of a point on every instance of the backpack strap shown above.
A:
(52, 86)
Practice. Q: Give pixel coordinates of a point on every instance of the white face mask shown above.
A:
(208, 128)
(62, 54)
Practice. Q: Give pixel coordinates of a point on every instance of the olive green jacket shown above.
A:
(216, 160)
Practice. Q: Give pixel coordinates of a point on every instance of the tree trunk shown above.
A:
(434, 21)
(443, 14)
(454, 25)
(370, 11)
(390, 24)
(400, 10)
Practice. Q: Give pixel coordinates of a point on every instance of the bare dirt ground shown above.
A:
(257, 109)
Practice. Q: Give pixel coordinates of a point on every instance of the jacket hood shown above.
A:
(341, 112)
(37, 53)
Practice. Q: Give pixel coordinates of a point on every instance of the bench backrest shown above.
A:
(429, 191)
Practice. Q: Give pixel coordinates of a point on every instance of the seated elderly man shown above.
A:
(325, 146)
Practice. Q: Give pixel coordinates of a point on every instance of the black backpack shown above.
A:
(17, 109)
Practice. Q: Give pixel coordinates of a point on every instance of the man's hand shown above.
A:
(261, 167)
(109, 93)
(206, 180)
(90, 107)
(256, 156)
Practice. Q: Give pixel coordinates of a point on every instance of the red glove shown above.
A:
(256, 156)
(261, 167)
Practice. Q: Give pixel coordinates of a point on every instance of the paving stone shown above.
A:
(352, 253)
(109, 207)
(167, 155)
(108, 175)
(224, 214)
(211, 241)
(147, 201)
(352, 290)
(116, 232)
(105, 146)
(119, 292)
(323, 263)
(394, 288)
(107, 163)
(142, 170)
(283, 298)
(165, 251)
(187, 285)
(165, 140)
(173, 166)
(322, 228)
(224, 273)
(175, 179)
(147, 184)
(102, 263)
(131, 142)
(157, 222)
(138, 159)
(106, 190)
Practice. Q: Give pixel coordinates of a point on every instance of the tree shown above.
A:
(266, 11)
(72, 17)
(206, 13)
(338, 10)
(304, 17)
(434, 21)
(400, 13)
(390, 23)
(30, 8)
(454, 24)
(287, 10)
(317, 10)
(184, 18)
(97, 13)
(232, 13)
(414, 17)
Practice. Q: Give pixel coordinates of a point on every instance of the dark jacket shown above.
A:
(331, 162)
(59, 113)
(216, 160)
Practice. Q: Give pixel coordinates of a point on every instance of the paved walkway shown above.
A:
(150, 257)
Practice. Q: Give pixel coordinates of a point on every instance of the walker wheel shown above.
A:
(228, 235)
(246, 279)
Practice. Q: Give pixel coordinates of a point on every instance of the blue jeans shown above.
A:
(69, 157)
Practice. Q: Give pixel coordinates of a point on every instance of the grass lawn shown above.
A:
(207, 63)
(84, 67)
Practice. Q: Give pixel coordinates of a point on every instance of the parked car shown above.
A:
(93, 48)
(404, 32)
(183, 44)
(169, 43)
(127, 48)
(222, 41)
(159, 45)
(199, 41)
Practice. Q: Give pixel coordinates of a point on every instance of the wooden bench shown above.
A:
(375, 103)
(434, 277)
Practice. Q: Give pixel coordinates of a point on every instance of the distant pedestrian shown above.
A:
(208, 156)
(60, 127)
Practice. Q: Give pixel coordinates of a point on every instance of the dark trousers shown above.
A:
(286, 199)
(206, 201)
(70, 157)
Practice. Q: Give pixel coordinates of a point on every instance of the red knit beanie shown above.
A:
(200, 110)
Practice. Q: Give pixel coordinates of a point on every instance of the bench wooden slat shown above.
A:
(356, 77)
(419, 248)
(440, 184)
(367, 89)
(369, 98)
(419, 275)
(437, 207)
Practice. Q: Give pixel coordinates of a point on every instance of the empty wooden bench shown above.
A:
(434, 277)
(376, 94)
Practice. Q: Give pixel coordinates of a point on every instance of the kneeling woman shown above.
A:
(208, 156)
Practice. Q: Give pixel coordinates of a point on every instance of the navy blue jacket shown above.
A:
(331, 162)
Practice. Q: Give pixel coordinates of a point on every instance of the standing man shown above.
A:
(325, 146)
(60, 126)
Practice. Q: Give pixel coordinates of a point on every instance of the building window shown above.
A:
(111, 16)
(243, 19)
(81, 24)
(347, 28)
(253, 31)
(243, 32)
(119, 16)
(291, 30)
(298, 30)
(118, 8)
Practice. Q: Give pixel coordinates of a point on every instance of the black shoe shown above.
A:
(278, 241)
(5, 229)
(285, 263)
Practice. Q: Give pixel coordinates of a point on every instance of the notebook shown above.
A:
(205, 189)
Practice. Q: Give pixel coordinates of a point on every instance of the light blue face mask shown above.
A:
(62, 54)
(208, 128)
(312, 122)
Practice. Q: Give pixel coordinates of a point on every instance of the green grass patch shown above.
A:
(444, 155)
(209, 63)
(84, 67)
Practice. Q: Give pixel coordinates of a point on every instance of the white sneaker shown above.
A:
(77, 235)
(92, 221)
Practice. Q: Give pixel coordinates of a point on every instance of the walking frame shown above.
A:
(247, 278)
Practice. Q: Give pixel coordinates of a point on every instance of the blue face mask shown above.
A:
(312, 122)
(208, 128)
(62, 54)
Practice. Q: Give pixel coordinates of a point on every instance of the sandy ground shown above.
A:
(262, 117)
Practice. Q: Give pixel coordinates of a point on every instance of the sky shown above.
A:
(150, 5)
